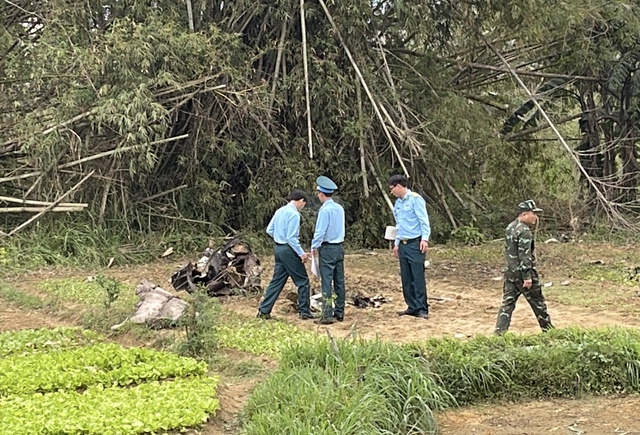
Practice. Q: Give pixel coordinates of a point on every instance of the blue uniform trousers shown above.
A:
(414, 284)
(332, 276)
(287, 264)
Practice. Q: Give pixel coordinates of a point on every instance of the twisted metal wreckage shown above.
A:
(227, 270)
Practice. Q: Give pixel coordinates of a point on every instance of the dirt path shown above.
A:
(14, 319)
(593, 415)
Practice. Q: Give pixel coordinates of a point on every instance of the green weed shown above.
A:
(349, 387)
(199, 323)
(19, 298)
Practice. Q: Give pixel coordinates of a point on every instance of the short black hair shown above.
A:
(398, 179)
(298, 194)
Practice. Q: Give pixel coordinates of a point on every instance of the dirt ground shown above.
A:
(464, 288)
(13, 319)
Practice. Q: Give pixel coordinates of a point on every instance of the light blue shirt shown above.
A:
(285, 227)
(411, 216)
(330, 224)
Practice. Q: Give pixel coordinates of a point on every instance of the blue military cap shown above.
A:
(325, 184)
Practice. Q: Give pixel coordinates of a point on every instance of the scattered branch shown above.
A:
(50, 207)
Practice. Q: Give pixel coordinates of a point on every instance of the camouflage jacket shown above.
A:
(519, 251)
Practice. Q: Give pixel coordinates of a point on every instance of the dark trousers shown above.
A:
(511, 292)
(332, 276)
(414, 283)
(287, 264)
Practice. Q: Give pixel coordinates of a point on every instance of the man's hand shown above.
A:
(314, 252)
(424, 244)
(395, 251)
(304, 257)
(527, 283)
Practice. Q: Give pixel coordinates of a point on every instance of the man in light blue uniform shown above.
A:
(327, 241)
(411, 243)
(289, 257)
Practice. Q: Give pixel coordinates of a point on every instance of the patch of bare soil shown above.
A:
(593, 415)
(462, 302)
(14, 319)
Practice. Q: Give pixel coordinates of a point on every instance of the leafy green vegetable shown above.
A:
(107, 364)
(152, 407)
(40, 340)
(259, 337)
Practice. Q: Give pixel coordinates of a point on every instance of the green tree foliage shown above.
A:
(209, 127)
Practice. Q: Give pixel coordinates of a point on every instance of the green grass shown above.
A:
(353, 388)
(20, 299)
(88, 293)
(561, 363)
(362, 387)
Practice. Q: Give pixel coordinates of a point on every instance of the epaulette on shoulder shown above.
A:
(414, 194)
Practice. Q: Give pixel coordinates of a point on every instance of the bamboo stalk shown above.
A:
(276, 71)
(39, 209)
(306, 77)
(67, 122)
(440, 193)
(166, 192)
(363, 165)
(190, 15)
(32, 202)
(93, 157)
(53, 204)
(606, 204)
(105, 193)
(382, 189)
(364, 85)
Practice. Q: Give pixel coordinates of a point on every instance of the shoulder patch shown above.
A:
(414, 194)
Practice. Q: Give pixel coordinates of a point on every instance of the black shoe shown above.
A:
(325, 321)
(339, 318)
(406, 312)
(264, 316)
(305, 316)
(422, 315)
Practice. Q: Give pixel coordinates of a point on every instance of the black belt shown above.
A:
(415, 239)
(281, 244)
(331, 244)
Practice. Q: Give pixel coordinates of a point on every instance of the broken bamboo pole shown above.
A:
(93, 157)
(305, 63)
(33, 202)
(39, 209)
(53, 204)
(365, 86)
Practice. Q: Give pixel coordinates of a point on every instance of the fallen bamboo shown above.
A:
(39, 209)
(93, 157)
(33, 202)
(53, 204)
(364, 85)
(600, 196)
(382, 189)
(305, 64)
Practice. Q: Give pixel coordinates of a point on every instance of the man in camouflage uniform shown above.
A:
(520, 274)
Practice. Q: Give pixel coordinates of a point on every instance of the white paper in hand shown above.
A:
(314, 265)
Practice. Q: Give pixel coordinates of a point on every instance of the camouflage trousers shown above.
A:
(511, 292)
